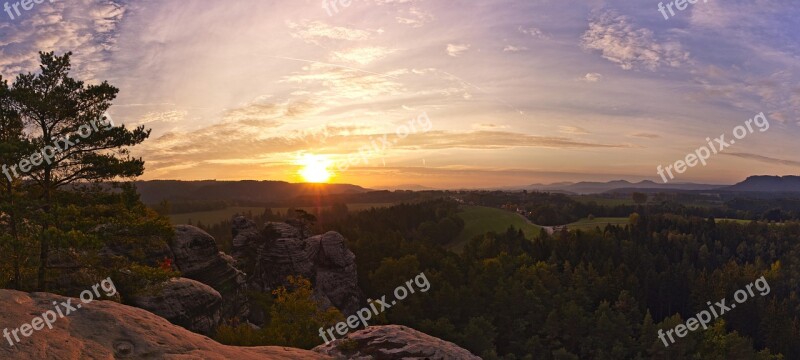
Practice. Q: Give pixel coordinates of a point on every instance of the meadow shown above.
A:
(588, 225)
(480, 220)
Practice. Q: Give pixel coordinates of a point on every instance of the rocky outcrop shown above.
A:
(245, 241)
(108, 330)
(198, 257)
(184, 302)
(393, 342)
(280, 250)
(336, 276)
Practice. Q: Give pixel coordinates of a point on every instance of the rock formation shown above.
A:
(185, 302)
(198, 258)
(393, 342)
(336, 276)
(280, 250)
(108, 330)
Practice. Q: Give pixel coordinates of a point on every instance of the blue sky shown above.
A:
(517, 92)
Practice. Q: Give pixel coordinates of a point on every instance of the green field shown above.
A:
(738, 221)
(479, 220)
(216, 216)
(588, 225)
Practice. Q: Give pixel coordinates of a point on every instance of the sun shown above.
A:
(315, 168)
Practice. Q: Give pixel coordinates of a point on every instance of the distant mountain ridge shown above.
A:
(588, 187)
(155, 191)
(412, 187)
(767, 183)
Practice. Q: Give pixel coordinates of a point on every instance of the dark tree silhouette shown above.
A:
(69, 116)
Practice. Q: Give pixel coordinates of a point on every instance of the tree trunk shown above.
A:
(44, 253)
(16, 281)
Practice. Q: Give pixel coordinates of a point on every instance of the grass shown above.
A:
(589, 225)
(479, 220)
(738, 221)
(216, 216)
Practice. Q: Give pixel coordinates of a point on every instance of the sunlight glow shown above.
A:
(315, 168)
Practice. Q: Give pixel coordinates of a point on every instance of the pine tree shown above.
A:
(68, 118)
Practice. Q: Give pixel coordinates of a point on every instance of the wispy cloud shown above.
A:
(764, 159)
(168, 117)
(362, 55)
(89, 31)
(337, 82)
(415, 17)
(512, 48)
(591, 77)
(317, 32)
(620, 41)
(572, 130)
(646, 135)
(456, 50)
(532, 32)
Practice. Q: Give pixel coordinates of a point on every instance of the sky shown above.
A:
(443, 94)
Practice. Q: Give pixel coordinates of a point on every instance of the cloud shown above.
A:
(317, 32)
(231, 142)
(488, 126)
(168, 117)
(774, 93)
(764, 159)
(331, 84)
(532, 32)
(512, 48)
(572, 130)
(262, 111)
(362, 55)
(591, 77)
(456, 50)
(415, 17)
(630, 47)
(485, 139)
(89, 29)
(646, 135)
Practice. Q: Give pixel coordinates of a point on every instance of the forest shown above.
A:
(587, 295)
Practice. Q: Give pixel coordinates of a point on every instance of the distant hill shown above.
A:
(765, 183)
(586, 187)
(155, 191)
(412, 187)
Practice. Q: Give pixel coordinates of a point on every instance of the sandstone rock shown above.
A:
(393, 342)
(184, 302)
(198, 257)
(278, 251)
(336, 278)
(245, 240)
(108, 330)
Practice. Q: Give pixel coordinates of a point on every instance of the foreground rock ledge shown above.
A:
(108, 330)
(393, 342)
